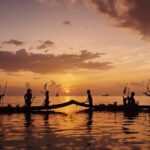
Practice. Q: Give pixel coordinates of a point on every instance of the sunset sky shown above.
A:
(75, 45)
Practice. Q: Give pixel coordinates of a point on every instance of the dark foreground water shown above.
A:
(73, 130)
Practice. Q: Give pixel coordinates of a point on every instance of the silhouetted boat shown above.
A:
(102, 107)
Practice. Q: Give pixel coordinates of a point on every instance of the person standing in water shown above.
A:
(131, 99)
(90, 99)
(46, 101)
(28, 98)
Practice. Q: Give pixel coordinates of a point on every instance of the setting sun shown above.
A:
(67, 91)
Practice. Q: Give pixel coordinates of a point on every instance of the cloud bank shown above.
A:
(133, 14)
(14, 42)
(50, 63)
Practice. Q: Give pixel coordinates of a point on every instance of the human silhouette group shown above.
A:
(28, 98)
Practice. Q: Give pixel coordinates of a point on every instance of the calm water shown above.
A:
(73, 130)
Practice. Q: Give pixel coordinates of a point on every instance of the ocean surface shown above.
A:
(70, 129)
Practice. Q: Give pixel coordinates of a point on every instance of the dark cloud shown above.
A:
(133, 14)
(14, 42)
(50, 63)
(66, 22)
(45, 44)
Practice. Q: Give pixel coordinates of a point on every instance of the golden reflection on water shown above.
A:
(81, 130)
(74, 129)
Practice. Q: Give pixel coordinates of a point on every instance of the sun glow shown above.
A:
(67, 91)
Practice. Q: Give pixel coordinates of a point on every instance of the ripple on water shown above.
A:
(99, 130)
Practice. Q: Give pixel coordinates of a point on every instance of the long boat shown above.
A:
(101, 107)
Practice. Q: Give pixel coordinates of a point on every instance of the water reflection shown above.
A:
(82, 130)
(46, 119)
(129, 120)
(89, 120)
(131, 115)
(28, 120)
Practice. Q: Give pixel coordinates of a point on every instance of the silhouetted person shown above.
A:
(28, 98)
(131, 100)
(46, 101)
(90, 99)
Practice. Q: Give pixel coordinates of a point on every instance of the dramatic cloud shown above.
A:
(66, 22)
(14, 42)
(45, 44)
(50, 63)
(133, 14)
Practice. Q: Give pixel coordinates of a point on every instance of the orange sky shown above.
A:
(74, 45)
